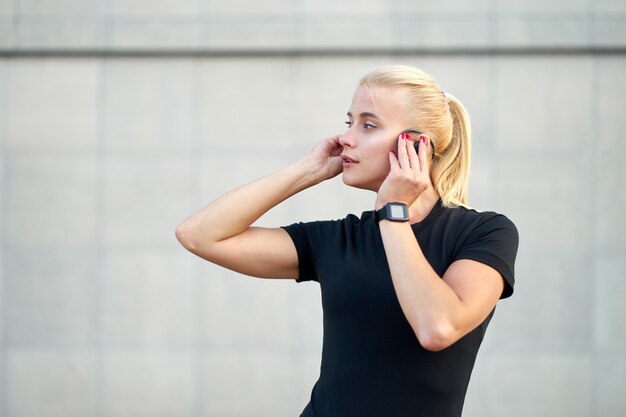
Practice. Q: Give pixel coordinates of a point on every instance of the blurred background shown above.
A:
(120, 118)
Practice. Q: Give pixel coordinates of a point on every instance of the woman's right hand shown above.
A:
(326, 158)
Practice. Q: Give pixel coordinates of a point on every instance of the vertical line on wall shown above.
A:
(100, 227)
(4, 103)
(595, 356)
(292, 117)
(195, 156)
(199, 158)
(104, 11)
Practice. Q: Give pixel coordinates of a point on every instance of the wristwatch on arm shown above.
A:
(395, 212)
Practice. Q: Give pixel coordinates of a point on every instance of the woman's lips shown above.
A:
(347, 161)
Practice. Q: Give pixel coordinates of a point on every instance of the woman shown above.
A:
(407, 289)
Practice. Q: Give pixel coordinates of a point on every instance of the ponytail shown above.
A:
(450, 171)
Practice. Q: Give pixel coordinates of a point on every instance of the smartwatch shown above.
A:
(395, 212)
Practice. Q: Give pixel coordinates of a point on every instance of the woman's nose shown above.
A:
(346, 139)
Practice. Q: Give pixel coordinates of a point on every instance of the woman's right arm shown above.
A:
(222, 231)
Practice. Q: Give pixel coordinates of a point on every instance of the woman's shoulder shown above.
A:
(473, 213)
(472, 218)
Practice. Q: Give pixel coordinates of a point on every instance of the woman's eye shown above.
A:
(365, 125)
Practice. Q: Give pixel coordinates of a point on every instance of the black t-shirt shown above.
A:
(372, 363)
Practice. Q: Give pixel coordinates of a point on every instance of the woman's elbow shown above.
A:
(183, 235)
(437, 337)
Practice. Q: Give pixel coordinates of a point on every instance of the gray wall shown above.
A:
(118, 119)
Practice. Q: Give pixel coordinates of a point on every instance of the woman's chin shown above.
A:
(349, 180)
(354, 182)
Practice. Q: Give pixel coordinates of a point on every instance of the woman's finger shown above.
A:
(334, 146)
(423, 153)
(403, 156)
(412, 153)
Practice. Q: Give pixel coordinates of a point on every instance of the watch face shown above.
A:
(397, 211)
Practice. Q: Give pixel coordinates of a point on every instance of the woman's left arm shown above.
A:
(440, 310)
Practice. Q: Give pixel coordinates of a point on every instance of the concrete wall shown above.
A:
(118, 119)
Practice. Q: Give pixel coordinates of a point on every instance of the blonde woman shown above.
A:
(409, 287)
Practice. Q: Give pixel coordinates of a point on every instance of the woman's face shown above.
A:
(375, 121)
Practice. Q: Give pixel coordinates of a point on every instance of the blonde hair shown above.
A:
(440, 116)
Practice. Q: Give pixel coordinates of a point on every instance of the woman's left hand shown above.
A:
(409, 175)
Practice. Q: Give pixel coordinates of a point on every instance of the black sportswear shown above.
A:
(372, 363)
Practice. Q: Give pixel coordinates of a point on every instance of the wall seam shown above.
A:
(136, 53)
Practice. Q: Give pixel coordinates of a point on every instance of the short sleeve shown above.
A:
(306, 265)
(494, 242)
(311, 240)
